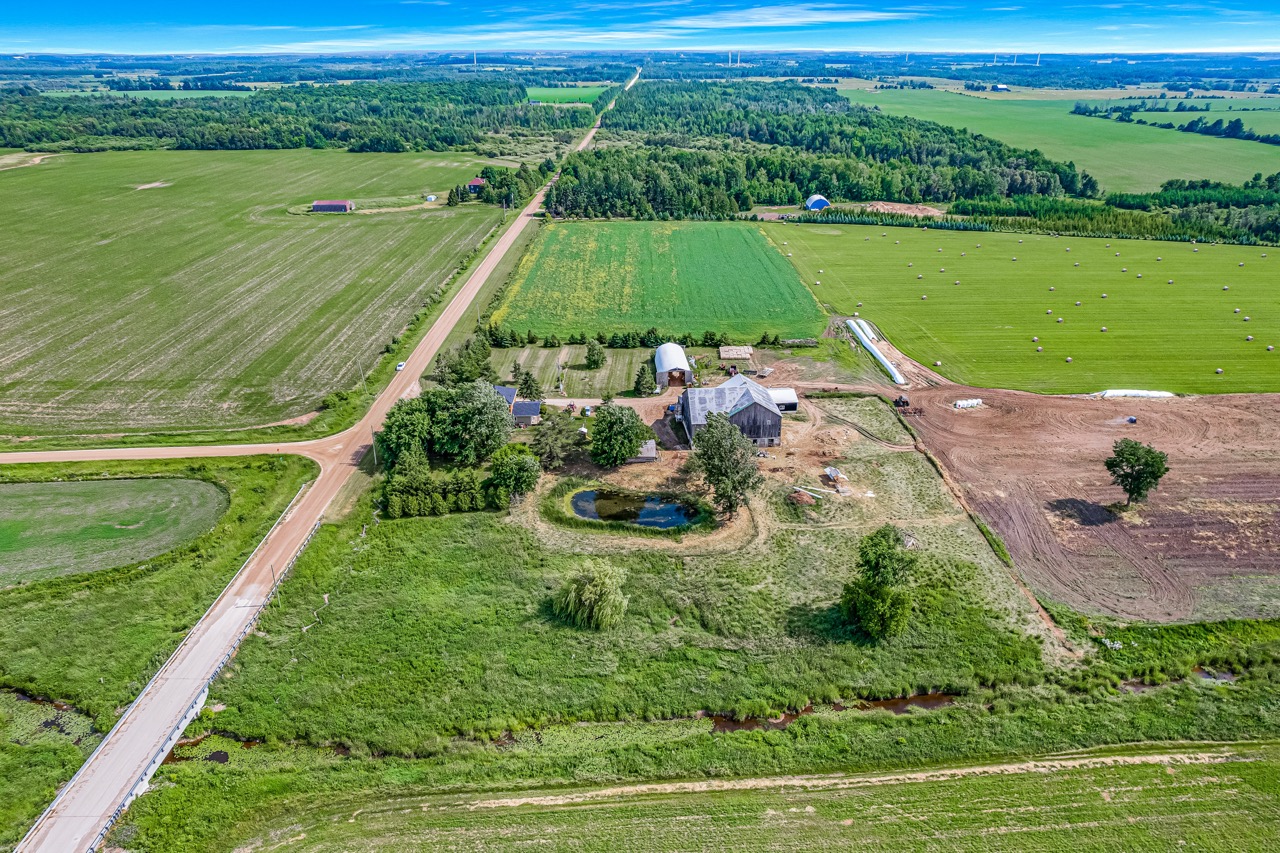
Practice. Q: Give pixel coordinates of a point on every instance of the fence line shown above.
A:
(140, 783)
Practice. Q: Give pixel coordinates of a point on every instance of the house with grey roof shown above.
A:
(748, 404)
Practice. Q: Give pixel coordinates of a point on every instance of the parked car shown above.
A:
(400, 367)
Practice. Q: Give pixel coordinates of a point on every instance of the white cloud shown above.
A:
(783, 16)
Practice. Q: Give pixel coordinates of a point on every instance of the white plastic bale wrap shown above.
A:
(864, 338)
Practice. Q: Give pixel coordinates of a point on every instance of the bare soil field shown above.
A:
(1206, 545)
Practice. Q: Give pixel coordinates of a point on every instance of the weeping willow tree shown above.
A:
(593, 598)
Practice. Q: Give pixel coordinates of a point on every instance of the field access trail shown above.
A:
(88, 804)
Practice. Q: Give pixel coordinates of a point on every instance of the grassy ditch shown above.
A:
(93, 639)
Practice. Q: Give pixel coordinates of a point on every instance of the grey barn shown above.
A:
(748, 404)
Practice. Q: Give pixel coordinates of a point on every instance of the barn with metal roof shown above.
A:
(748, 404)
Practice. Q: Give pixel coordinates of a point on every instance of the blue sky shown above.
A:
(343, 26)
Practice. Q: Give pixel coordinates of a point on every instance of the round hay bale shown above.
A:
(922, 296)
(1104, 328)
(817, 282)
(855, 313)
(1224, 287)
(1015, 259)
(1117, 254)
(1035, 340)
(1248, 337)
(939, 250)
(1052, 289)
(1059, 319)
(962, 254)
(1219, 370)
(1241, 263)
(895, 242)
(820, 272)
(1077, 263)
(1171, 281)
(1068, 359)
(1050, 311)
(1158, 258)
(1124, 269)
(1104, 296)
(937, 364)
(1039, 349)
(944, 269)
(1246, 319)
(909, 264)
(1019, 241)
(957, 281)
(919, 276)
(1077, 304)
(1270, 348)
(859, 304)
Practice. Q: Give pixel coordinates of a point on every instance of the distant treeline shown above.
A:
(785, 142)
(1228, 129)
(361, 116)
(1202, 211)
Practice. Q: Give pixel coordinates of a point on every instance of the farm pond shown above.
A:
(644, 510)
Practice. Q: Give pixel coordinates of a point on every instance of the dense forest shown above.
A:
(1252, 208)
(361, 116)
(785, 142)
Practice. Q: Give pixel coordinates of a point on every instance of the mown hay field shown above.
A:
(1123, 157)
(171, 289)
(1160, 336)
(680, 277)
(565, 94)
(56, 528)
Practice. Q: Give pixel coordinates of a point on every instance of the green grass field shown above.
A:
(1123, 157)
(679, 277)
(197, 300)
(1168, 337)
(48, 529)
(93, 639)
(616, 377)
(558, 95)
(1211, 798)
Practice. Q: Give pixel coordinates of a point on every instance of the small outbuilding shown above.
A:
(332, 207)
(670, 366)
(648, 453)
(527, 412)
(816, 202)
(785, 399)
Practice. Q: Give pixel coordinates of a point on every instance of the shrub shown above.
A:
(593, 599)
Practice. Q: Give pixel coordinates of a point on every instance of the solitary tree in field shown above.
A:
(1137, 468)
(878, 602)
(595, 355)
(645, 383)
(726, 459)
(616, 435)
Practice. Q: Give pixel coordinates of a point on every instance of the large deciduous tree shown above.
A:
(616, 435)
(468, 423)
(408, 426)
(878, 603)
(1137, 468)
(726, 460)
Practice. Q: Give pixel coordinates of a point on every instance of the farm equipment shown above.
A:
(902, 402)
